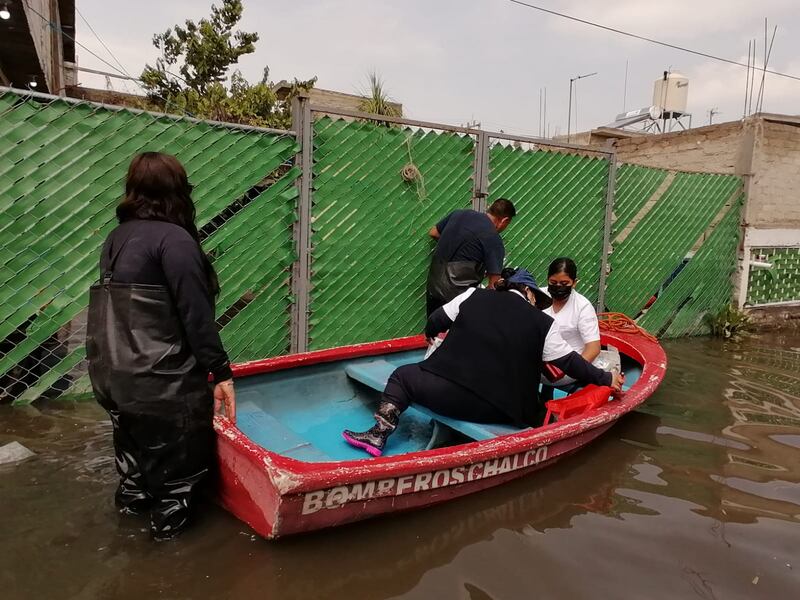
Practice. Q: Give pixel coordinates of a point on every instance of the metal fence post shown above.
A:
(607, 222)
(301, 271)
(480, 172)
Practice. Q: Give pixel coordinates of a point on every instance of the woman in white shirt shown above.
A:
(577, 324)
(572, 311)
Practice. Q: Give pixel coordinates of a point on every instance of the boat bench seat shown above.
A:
(375, 374)
(269, 433)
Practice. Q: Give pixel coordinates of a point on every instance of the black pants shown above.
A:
(410, 384)
(432, 303)
(162, 458)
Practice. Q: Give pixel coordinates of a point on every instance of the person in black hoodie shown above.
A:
(487, 370)
(152, 345)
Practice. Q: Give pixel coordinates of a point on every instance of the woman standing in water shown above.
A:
(152, 343)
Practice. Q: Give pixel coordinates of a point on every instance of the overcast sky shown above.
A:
(455, 61)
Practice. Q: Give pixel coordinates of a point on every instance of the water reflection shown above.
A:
(698, 494)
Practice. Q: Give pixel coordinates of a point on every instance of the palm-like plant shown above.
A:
(376, 100)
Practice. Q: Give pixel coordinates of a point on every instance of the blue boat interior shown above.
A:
(300, 413)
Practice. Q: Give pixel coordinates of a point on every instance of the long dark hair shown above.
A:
(564, 265)
(157, 189)
(504, 285)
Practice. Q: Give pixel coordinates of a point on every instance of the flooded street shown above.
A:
(696, 495)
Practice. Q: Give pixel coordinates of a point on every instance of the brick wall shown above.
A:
(774, 199)
(711, 149)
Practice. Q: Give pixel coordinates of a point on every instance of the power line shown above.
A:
(102, 42)
(100, 58)
(647, 39)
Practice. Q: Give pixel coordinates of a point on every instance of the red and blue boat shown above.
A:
(285, 469)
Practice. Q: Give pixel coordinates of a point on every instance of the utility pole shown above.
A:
(569, 110)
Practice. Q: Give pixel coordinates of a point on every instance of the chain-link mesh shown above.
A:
(371, 250)
(780, 282)
(560, 201)
(703, 287)
(658, 244)
(635, 185)
(377, 191)
(62, 167)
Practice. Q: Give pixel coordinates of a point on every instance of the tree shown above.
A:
(203, 54)
(377, 101)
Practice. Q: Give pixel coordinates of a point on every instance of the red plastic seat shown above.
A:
(589, 398)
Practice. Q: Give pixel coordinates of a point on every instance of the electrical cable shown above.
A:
(98, 57)
(646, 39)
(102, 43)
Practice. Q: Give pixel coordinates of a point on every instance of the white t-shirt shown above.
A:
(555, 346)
(576, 321)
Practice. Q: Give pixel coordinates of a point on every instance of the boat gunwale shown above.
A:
(292, 476)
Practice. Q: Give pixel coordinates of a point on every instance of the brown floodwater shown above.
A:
(696, 495)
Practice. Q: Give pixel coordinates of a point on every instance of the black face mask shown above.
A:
(559, 292)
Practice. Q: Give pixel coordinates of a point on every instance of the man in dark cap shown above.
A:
(488, 368)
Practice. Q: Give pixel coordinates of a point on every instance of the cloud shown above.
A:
(722, 86)
(679, 20)
(454, 61)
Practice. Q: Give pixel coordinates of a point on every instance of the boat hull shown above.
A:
(278, 496)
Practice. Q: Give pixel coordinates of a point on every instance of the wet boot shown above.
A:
(374, 439)
(168, 518)
(173, 508)
(132, 500)
(130, 497)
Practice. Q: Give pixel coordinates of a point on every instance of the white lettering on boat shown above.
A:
(421, 482)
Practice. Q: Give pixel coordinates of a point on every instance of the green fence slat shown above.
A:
(560, 201)
(634, 187)
(780, 282)
(703, 287)
(370, 245)
(63, 168)
(661, 240)
(69, 362)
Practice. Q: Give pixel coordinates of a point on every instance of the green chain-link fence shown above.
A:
(703, 287)
(370, 244)
(780, 282)
(663, 218)
(560, 199)
(377, 190)
(62, 167)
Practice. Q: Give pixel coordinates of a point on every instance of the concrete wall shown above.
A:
(332, 99)
(765, 151)
(763, 148)
(774, 195)
(711, 149)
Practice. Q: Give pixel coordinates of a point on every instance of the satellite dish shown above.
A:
(655, 113)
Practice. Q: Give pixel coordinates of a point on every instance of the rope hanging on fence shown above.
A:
(621, 323)
(411, 173)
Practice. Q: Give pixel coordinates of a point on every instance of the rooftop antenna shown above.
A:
(747, 78)
(572, 80)
(752, 80)
(540, 112)
(625, 89)
(544, 117)
(768, 52)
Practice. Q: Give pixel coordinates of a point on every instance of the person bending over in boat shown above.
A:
(487, 369)
(577, 323)
(468, 248)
